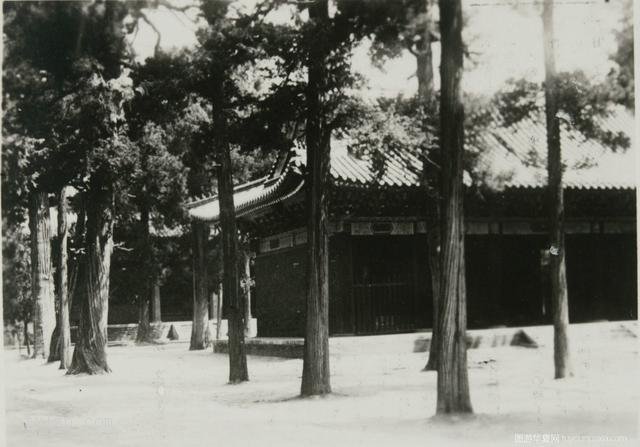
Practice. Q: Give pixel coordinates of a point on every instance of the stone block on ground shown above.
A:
(173, 333)
(521, 338)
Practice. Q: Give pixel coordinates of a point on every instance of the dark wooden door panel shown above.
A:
(383, 285)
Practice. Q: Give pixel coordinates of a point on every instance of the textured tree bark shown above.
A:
(559, 294)
(26, 337)
(431, 175)
(435, 270)
(61, 336)
(315, 370)
(246, 290)
(200, 233)
(229, 232)
(218, 315)
(145, 334)
(63, 313)
(54, 344)
(157, 304)
(90, 355)
(44, 318)
(67, 283)
(424, 56)
(77, 276)
(453, 382)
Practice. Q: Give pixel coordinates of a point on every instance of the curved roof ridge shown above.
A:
(508, 151)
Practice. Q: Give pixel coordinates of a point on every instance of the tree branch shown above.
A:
(300, 3)
(169, 5)
(144, 17)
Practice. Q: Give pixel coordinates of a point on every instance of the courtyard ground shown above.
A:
(165, 395)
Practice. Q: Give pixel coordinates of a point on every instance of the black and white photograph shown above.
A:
(318, 223)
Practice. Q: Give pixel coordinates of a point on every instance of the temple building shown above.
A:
(379, 275)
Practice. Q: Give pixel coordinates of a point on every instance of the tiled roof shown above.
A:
(511, 157)
(517, 156)
(251, 196)
(401, 169)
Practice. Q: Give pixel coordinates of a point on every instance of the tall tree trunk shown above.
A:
(63, 313)
(218, 312)
(559, 294)
(76, 278)
(453, 382)
(26, 337)
(44, 318)
(144, 334)
(62, 239)
(424, 56)
(54, 344)
(435, 270)
(246, 289)
(431, 175)
(200, 233)
(233, 298)
(90, 355)
(157, 310)
(315, 370)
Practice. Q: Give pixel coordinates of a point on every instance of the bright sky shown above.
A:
(505, 40)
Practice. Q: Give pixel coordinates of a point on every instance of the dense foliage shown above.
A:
(621, 78)
(582, 106)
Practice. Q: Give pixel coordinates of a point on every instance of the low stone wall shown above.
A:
(291, 348)
(513, 337)
(525, 337)
(376, 344)
(534, 336)
(126, 333)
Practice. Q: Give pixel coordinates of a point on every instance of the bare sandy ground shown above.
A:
(168, 396)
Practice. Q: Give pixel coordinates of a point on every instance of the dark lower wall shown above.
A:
(176, 306)
(341, 311)
(177, 300)
(504, 280)
(280, 286)
(602, 277)
(280, 292)
(507, 284)
(422, 273)
(507, 281)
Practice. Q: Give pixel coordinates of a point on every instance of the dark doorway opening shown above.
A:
(384, 284)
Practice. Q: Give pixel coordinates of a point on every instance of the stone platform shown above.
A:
(525, 337)
(271, 347)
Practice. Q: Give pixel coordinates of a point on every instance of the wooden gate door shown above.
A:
(383, 284)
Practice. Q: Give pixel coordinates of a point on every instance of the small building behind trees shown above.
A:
(379, 278)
